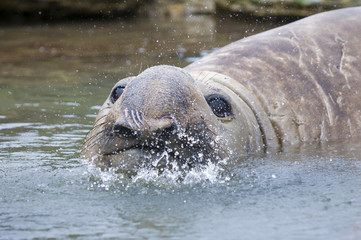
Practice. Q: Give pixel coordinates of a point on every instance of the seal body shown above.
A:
(297, 83)
(306, 75)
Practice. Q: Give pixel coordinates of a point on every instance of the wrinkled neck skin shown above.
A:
(163, 118)
(252, 129)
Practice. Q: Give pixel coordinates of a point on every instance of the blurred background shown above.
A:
(22, 10)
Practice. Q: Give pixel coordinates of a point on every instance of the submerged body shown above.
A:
(296, 83)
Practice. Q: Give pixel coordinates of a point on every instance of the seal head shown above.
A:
(164, 116)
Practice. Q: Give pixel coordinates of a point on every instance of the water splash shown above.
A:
(210, 172)
(175, 175)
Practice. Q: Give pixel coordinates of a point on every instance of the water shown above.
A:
(53, 79)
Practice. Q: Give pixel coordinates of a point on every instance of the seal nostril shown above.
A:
(124, 131)
(169, 131)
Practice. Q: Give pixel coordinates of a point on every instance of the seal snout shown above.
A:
(125, 132)
(135, 125)
(156, 103)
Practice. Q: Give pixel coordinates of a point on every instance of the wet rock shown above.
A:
(179, 8)
(281, 8)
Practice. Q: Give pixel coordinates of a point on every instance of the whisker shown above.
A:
(212, 132)
(134, 118)
(140, 69)
(104, 108)
(95, 141)
(209, 79)
(127, 118)
(97, 126)
(206, 76)
(140, 117)
(96, 121)
(226, 169)
(95, 135)
(200, 73)
(101, 124)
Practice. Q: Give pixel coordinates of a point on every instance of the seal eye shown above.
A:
(116, 93)
(220, 106)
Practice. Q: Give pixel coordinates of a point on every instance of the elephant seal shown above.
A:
(297, 83)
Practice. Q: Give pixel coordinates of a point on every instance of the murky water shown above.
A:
(53, 79)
